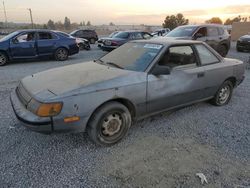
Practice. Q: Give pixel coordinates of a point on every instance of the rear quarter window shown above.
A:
(205, 55)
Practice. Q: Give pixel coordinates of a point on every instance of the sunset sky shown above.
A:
(122, 11)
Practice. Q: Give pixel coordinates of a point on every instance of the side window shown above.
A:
(178, 56)
(26, 37)
(221, 31)
(202, 32)
(146, 36)
(212, 31)
(79, 33)
(206, 57)
(44, 36)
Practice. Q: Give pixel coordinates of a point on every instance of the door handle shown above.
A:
(200, 74)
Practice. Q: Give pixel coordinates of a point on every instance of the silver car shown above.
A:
(141, 78)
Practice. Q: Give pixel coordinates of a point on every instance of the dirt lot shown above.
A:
(166, 150)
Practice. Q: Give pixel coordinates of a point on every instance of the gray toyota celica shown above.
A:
(141, 78)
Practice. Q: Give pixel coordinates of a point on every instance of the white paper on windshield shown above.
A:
(153, 46)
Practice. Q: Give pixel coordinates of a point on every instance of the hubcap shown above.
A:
(111, 124)
(224, 94)
(2, 59)
(62, 54)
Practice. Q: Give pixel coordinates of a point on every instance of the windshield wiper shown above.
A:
(114, 65)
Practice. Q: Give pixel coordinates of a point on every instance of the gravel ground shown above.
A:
(166, 150)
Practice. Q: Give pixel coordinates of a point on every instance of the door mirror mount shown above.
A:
(198, 35)
(161, 70)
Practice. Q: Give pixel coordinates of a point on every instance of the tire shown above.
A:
(223, 50)
(3, 59)
(81, 46)
(238, 49)
(61, 54)
(224, 94)
(109, 124)
(92, 41)
(87, 47)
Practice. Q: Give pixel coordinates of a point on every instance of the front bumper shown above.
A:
(108, 48)
(243, 45)
(45, 124)
(28, 119)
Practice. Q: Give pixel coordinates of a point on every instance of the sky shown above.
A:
(151, 12)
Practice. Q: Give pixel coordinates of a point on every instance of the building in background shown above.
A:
(239, 29)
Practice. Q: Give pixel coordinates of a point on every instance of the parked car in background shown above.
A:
(214, 35)
(243, 43)
(83, 44)
(138, 79)
(35, 44)
(88, 34)
(161, 32)
(101, 40)
(122, 37)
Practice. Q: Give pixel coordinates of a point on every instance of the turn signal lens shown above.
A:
(48, 110)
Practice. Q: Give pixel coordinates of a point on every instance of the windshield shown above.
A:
(122, 35)
(133, 56)
(9, 36)
(182, 31)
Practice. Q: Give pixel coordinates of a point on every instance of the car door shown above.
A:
(201, 34)
(212, 37)
(46, 43)
(24, 46)
(215, 72)
(183, 85)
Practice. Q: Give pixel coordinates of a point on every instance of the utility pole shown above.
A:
(5, 15)
(31, 18)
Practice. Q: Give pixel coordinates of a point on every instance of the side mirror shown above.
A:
(14, 41)
(161, 70)
(198, 35)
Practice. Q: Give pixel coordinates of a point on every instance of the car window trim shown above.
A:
(52, 34)
(198, 56)
(23, 33)
(162, 53)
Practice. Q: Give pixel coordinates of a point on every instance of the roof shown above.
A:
(35, 30)
(203, 25)
(168, 41)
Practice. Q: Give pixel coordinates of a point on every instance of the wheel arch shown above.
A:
(5, 53)
(124, 101)
(232, 79)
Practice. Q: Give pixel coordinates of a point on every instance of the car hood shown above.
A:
(88, 77)
(179, 38)
(245, 37)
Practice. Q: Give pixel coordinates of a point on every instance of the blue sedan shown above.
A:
(35, 44)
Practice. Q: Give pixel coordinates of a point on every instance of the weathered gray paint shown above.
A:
(84, 87)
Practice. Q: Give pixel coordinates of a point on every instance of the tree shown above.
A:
(88, 23)
(214, 20)
(51, 24)
(173, 21)
(59, 25)
(230, 21)
(67, 24)
(111, 24)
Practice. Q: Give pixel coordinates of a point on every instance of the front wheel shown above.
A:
(61, 54)
(109, 124)
(224, 94)
(3, 59)
(223, 50)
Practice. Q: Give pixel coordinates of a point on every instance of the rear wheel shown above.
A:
(224, 94)
(61, 54)
(109, 124)
(223, 50)
(3, 59)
